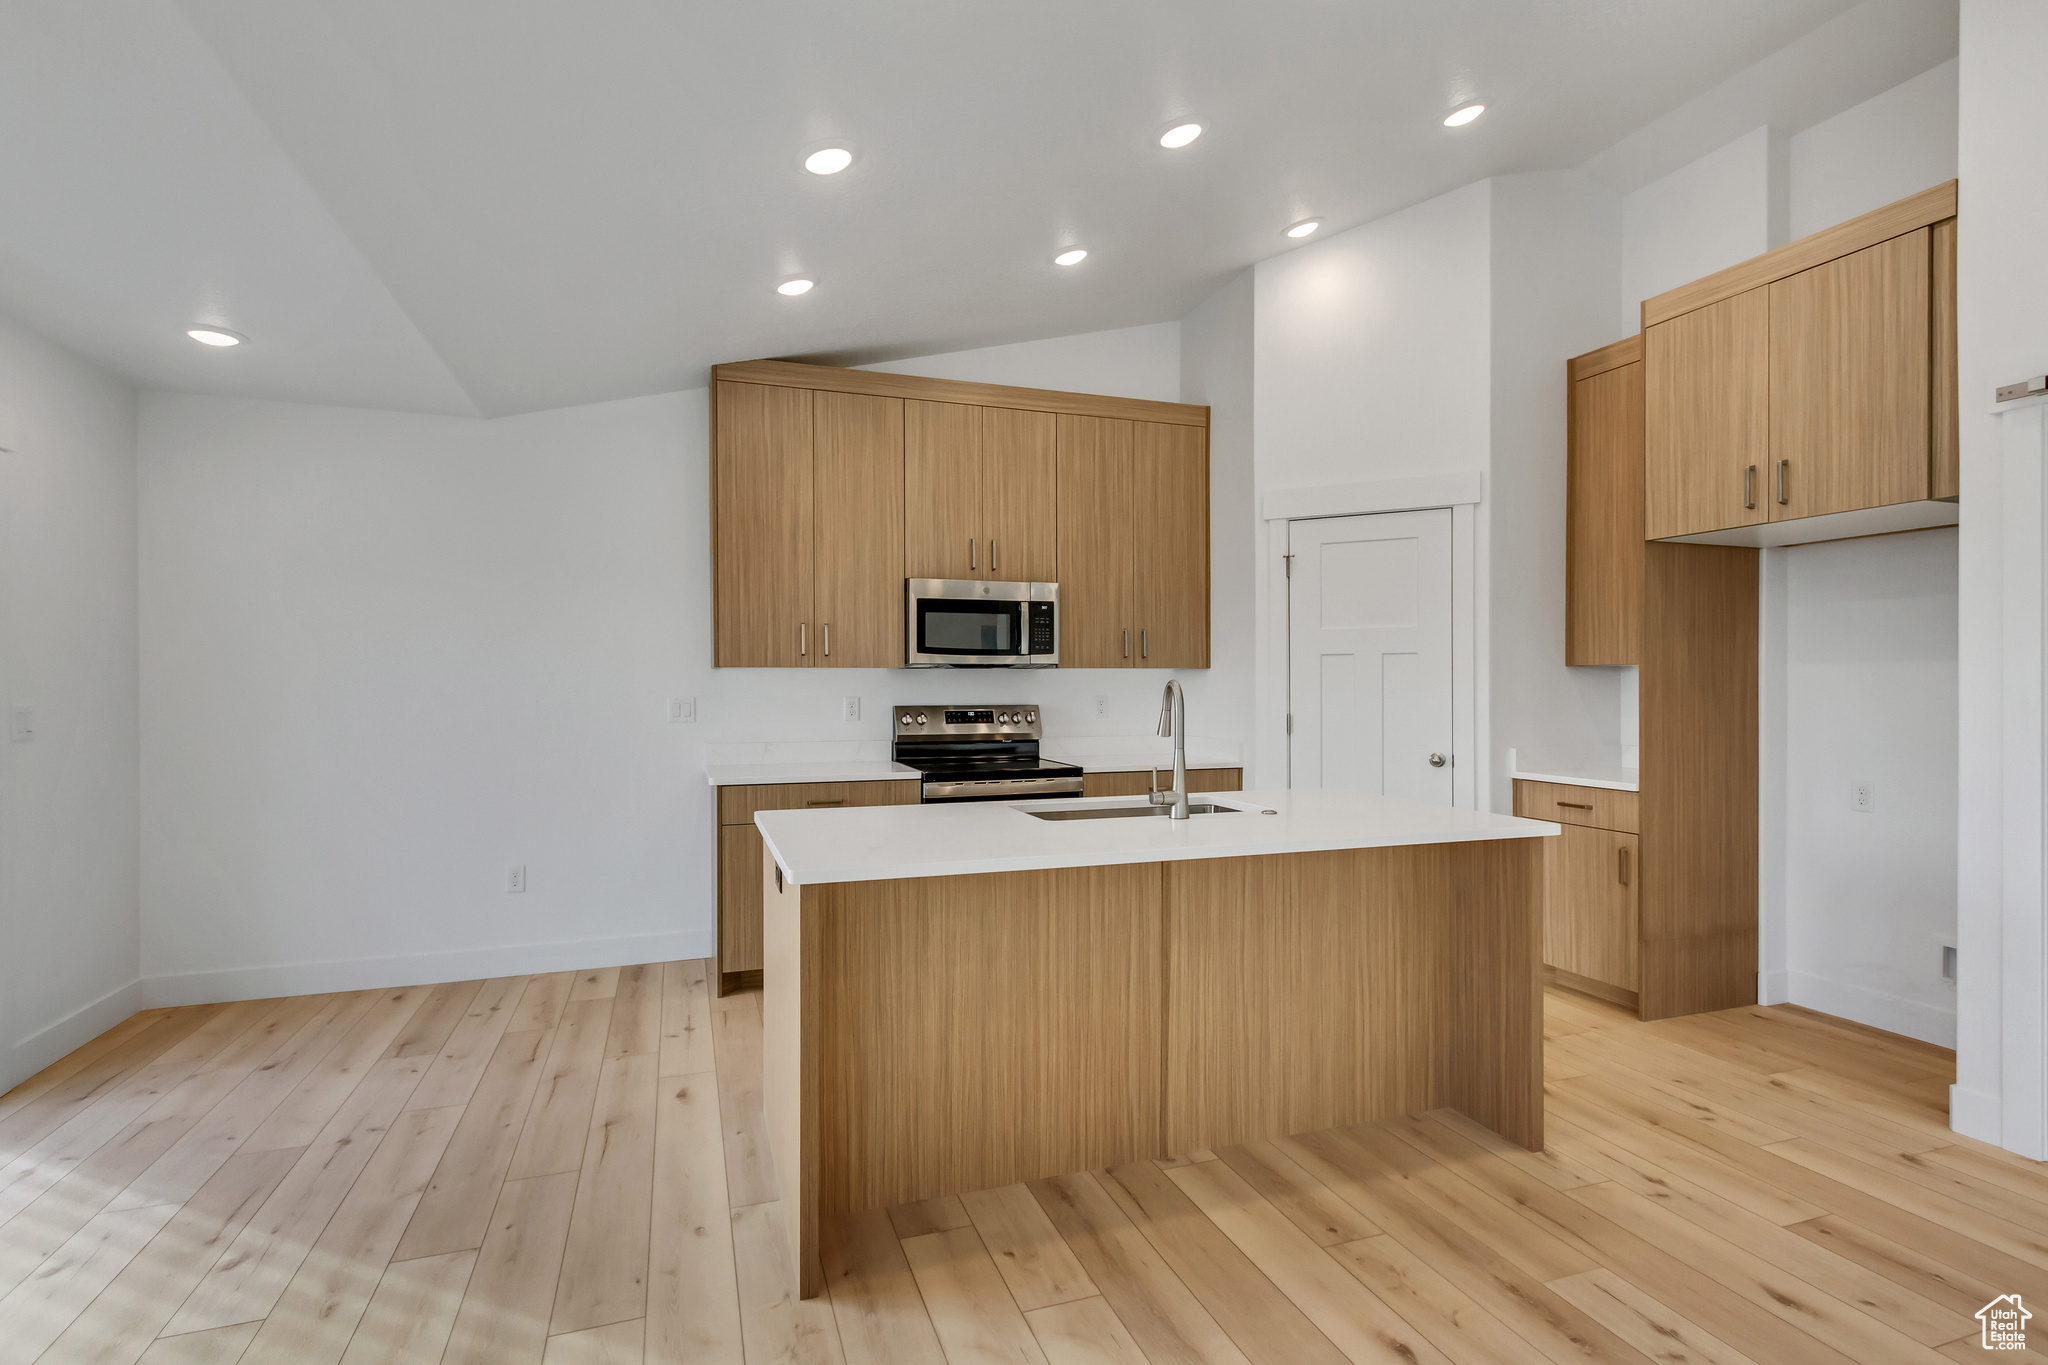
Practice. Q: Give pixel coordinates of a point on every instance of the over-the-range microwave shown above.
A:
(968, 623)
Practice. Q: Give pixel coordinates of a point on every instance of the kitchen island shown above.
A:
(964, 996)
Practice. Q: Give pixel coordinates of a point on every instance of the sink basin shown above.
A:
(1127, 812)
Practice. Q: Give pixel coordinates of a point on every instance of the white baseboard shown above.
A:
(422, 969)
(68, 1034)
(1773, 989)
(1976, 1114)
(1875, 1008)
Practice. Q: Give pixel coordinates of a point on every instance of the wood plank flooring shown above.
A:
(570, 1168)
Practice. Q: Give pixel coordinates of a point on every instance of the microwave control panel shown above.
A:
(1039, 640)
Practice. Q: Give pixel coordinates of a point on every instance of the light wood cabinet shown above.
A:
(1138, 784)
(1603, 560)
(1592, 875)
(831, 487)
(739, 859)
(1170, 544)
(761, 475)
(857, 520)
(942, 491)
(1849, 364)
(1815, 381)
(1706, 380)
(1093, 483)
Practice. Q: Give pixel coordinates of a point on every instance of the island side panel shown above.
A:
(1304, 991)
(1492, 1002)
(789, 1062)
(978, 1031)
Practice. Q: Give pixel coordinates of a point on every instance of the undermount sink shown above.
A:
(1126, 812)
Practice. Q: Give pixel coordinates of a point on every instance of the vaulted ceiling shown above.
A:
(493, 206)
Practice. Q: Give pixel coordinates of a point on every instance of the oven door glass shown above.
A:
(969, 629)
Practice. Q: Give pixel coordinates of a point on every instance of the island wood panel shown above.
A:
(1491, 1050)
(1019, 504)
(791, 1032)
(942, 491)
(1095, 492)
(1914, 211)
(1699, 780)
(1170, 544)
(1603, 561)
(1603, 807)
(977, 1031)
(1302, 992)
(1944, 425)
(907, 386)
(761, 481)
(858, 520)
(1850, 359)
(1706, 394)
(1140, 783)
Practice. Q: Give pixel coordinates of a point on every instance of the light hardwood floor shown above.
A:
(570, 1169)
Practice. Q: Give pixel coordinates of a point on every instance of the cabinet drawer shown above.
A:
(1599, 807)
(736, 805)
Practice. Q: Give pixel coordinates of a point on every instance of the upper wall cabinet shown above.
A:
(831, 487)
(1808, 394)
(1603, 562)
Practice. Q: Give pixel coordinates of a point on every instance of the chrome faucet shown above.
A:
(1173, 721)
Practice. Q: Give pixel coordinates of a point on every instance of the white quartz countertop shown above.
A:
(1577, 768)
(821, 770)
(881, 843)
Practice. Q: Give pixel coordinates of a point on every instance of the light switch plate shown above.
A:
(682, 710)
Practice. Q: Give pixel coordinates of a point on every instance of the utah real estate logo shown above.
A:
(2005, 1323)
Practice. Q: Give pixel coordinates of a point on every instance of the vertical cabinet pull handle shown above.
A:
(1144, 644)
(803, 639)
(970, 553)
(1624, 865)
(828, 639)
(1127, 642)
(993, 563)
(1783, 467)
(1749, 487)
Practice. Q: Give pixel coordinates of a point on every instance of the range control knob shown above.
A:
(920, 718)
(1005, 718)
(903, 719)
(1031, 718)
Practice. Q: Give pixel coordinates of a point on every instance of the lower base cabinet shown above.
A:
(1592, 924)
(738, 961)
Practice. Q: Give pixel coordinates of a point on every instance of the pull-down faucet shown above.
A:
(1173, 720)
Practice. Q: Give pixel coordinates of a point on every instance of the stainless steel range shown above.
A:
(980, 753)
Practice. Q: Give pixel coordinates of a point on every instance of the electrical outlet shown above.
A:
(515, 879)
(24, 724)
(681, 710)
(1863, 796)
(1101, 705)
(849, 708)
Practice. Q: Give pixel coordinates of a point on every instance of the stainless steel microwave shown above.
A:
(966, 623)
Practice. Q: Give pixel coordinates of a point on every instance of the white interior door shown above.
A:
(1369, 654)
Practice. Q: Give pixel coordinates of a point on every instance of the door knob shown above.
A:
(1437, 760)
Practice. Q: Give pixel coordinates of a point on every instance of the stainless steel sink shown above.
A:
(1127, 812)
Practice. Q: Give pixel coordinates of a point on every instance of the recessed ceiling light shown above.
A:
(214, 336)
(828, 161)
(1180, 135)
(1304, 227)
(1072, 257)
(794, 287)
(1458, 118)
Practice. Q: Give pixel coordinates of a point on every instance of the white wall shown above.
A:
(1216, 368)
(1870, 695)
(385, 656)
(1876, 153)
(2001, 1037)
(68, 802)
(1555, 244)
(1700, 218)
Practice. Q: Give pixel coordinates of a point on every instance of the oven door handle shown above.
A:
(974, 788)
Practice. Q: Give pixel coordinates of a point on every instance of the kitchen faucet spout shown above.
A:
(1173, 721)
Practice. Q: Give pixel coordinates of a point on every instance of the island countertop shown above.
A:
(884, 843)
